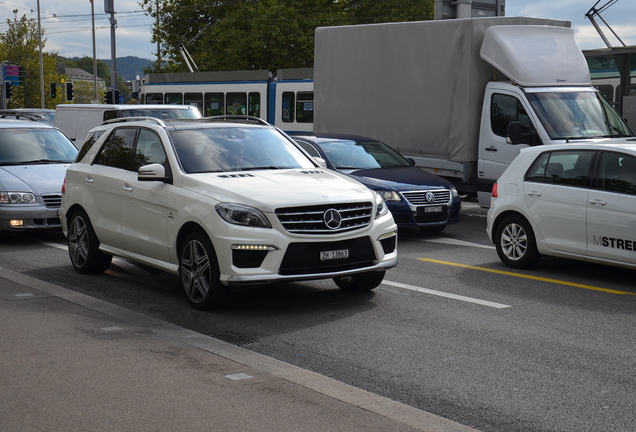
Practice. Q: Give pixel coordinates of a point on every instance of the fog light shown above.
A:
(254, 247)
(16, 222)
(387, 235)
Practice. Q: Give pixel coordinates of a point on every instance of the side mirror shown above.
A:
(513, 135)
(320, 161)
(411, 161)
(153, 172)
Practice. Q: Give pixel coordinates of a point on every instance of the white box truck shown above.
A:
(460, 97)
(75, 120)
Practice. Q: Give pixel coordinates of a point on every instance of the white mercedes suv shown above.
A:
(221, 202)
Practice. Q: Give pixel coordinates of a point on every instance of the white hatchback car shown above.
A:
(569, 200)
(222, 203)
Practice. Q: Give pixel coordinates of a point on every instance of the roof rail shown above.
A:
(131, 119)
(245, 118)
(32, 117)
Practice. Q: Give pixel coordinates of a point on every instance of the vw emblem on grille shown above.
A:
(332, 218)
(430, 197)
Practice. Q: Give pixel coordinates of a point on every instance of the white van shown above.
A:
(75, 120)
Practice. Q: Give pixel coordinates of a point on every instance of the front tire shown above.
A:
(83, 246)
(200, 274)
(516, 244)
(360, 282)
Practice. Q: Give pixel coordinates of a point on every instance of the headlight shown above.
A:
(380, 205)
(239, 214)
(454, 192)
(390, 195)
(17, 198)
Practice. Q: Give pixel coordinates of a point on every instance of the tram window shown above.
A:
(174, 99)
(214, 104)
(254, 104)
(154, 98)
(288, 105)
(194, 99)
(305, 107)
(236, 104)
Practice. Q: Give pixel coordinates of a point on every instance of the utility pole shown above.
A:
(41, 61)
(94, 54)
(109, 7)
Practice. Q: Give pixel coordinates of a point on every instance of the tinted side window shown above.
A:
(505, 109)
(309, 148)
(110, 114)
(569, 168)
(118, 150)
(148, 150)
(617, 173)
(91, 138)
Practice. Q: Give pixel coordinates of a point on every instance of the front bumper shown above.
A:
(17, 217)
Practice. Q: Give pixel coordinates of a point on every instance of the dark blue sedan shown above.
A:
(416, 198)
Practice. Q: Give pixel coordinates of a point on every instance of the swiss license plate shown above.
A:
(433, 209)
(334, 255)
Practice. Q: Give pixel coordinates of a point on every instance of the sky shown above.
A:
(68, 23)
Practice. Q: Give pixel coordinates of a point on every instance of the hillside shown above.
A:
(129, 67)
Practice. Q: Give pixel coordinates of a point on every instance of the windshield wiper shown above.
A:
(34, 162)
(270, 167)
(42, 161)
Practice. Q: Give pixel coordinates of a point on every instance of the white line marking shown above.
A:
(448, 295)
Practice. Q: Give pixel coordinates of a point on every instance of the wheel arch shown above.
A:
(504, 215)
(187, 229)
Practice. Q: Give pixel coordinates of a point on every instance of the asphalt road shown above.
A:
(451, 331)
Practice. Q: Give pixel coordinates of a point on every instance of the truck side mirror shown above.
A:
(513, 135)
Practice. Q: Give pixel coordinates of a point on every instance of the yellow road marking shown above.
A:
(528, 277)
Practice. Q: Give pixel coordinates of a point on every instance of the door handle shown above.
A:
(491, 149)
(127, 188)
(535, 193)
(598, 202)
(89, 180)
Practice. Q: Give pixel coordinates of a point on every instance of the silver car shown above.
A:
(33, 161)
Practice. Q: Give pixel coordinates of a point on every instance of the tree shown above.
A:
(20, 45)
(261, 34)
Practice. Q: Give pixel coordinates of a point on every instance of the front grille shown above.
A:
(52, 200)
(441, 196)
(304, 258)
(311, 219)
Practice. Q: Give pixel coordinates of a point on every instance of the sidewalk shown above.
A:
(69, 362)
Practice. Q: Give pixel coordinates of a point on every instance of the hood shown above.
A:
(271, 189)
(39, 179)
(405, 178)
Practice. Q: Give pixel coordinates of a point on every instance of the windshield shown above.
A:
(236, 149)
(23, 146)
(362, 155)
(578, 115)
(162, 113)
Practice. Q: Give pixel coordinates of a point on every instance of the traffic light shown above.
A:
(108, 97)
(69, 91)
(116, 96)
(8, 89)
(53, 90)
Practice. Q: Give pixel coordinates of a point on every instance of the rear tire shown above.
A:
(516, 244)
(200, 274)
(360, 282)
(83, 246)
